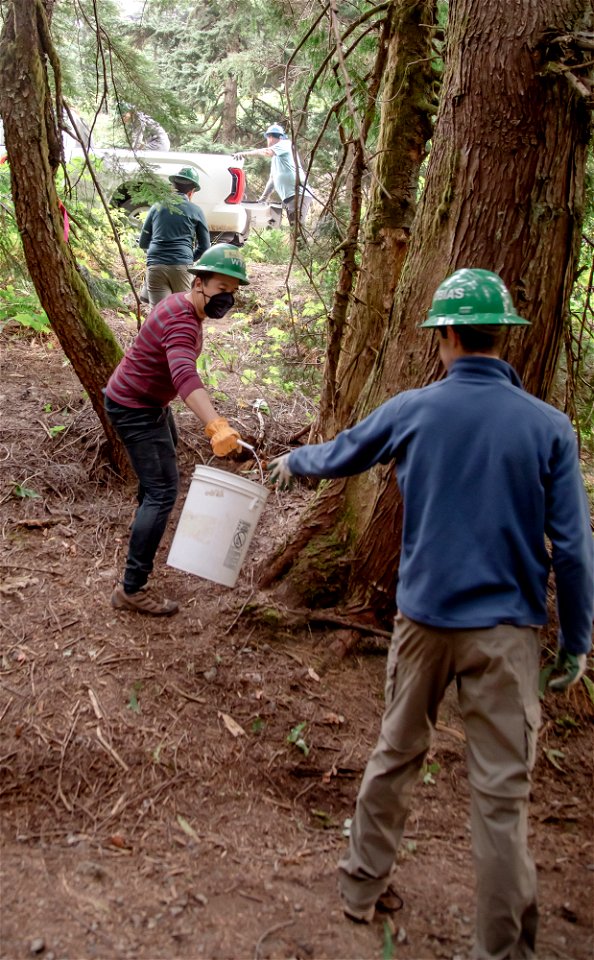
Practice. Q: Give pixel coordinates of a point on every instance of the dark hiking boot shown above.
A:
(143, 601)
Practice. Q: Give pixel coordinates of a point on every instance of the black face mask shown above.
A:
(218, 305)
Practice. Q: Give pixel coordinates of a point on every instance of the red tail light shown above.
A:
(238, 177)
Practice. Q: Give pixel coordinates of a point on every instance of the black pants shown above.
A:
(150, 437)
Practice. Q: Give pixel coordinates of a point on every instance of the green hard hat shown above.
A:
(222, 258)
(472, 296)
(186, 173)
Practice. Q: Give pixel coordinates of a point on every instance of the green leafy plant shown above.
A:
(268, 246)
(22, 306)
(296, 737)
(589, 685)
(388, 945)
(133, 703)
(427, 772)
(25, 492)
(207, 373)
(566, 725)
(326, 819)
(554, 756)
(55, 431)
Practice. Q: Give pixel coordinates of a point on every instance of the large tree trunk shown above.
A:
(408, 102)
(504, 192)
(228, 132)
(357, 163)
(34, 149)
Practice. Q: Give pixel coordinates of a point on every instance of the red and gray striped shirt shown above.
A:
(161, 363)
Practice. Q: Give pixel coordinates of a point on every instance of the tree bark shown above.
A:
(407, 105)
(338, 318)
(228, 132)
(33, 146)
(504, 191)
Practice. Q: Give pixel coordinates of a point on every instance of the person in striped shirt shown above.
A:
(160, 365)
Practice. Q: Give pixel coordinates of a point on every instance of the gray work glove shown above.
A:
(572, 666)
(262, 200)
(280, 473)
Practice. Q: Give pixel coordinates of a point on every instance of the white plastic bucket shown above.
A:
(216, 525)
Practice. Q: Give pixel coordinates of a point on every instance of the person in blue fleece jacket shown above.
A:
(486, 472)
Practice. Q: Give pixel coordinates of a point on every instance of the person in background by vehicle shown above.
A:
(142, 131)
(287, 179)
(486, 471)
(160, 365)
(174, 235)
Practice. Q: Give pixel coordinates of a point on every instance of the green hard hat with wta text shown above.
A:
(222, 258)
(186, 173)
(473, 296)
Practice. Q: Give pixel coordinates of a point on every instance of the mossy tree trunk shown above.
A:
(356, 163)
(504, 191)
(33, 146)
(408, 103)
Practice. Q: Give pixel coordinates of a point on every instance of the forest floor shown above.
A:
(138, 821)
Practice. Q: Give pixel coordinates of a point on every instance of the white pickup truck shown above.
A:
(222, 184)
(222, 188)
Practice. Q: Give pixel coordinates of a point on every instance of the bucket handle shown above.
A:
(248, 446)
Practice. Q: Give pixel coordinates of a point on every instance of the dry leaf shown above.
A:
(232, 726)
(117, 840)
(332, 718)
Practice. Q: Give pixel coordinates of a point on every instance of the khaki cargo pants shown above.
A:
(163, 279)
(496, 671)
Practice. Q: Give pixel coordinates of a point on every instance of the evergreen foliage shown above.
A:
(215, 75)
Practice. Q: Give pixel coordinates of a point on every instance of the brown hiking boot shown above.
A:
(143, 601)
(358, 914)
(388, 902)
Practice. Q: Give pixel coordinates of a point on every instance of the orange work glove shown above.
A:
(223, 438)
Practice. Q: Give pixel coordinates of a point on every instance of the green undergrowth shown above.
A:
(277, 348)
(91, 239)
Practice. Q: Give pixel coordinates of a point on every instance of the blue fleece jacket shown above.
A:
(485, 471)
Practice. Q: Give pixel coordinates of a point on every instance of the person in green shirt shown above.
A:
(174, 235)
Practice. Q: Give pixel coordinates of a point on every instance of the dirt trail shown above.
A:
(135, 824)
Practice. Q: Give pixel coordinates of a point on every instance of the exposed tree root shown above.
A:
(263, 608)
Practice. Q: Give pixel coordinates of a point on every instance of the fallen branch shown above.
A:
(110, 750)
(277, 926)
